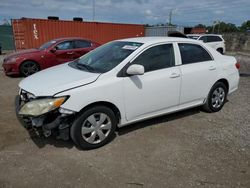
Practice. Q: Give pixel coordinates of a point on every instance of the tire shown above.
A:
(97, 133)
(216, 98)
(220, 50)
(28, 68)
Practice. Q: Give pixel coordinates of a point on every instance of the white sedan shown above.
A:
(123, 82)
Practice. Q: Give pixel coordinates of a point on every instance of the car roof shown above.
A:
(194, 34)
(153, 40)
(69, 38)
(204, 35)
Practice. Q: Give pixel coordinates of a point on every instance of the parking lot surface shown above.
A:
(185, 149)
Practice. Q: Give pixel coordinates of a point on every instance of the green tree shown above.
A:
(200, 26)
(222, 27)
(245, 26)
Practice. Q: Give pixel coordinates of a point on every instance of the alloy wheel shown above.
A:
(218, 97)
(29, 68)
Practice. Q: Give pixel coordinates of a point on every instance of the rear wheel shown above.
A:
(216, 98)
(28, 68)
(94, 127)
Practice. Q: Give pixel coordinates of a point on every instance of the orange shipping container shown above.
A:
(198, 30)
(32, 33)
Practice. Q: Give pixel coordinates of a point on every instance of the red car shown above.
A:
(54, 52)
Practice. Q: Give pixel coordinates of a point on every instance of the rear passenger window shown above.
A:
(157, 57)
(213, 39)
(82, 44)
(193, 53)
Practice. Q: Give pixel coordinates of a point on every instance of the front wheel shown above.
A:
(28, 68)
(94, 127)
(216, 98)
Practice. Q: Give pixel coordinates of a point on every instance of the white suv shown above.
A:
(123, 82)
(215, 41)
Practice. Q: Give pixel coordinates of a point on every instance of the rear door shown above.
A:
(199, 73)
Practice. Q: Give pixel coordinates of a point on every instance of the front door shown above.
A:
(61, 53)
(64, 52)
(158, 89)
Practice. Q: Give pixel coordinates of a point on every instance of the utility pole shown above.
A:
(93, 10)
(219, 27)
(170, 17)
(214, 25)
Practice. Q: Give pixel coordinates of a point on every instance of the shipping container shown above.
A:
(161, 30)
(198, 30)
(6, 37)
(31, 33)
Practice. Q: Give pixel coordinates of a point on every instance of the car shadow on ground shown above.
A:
(42, 142)
(158, 120)
(244, 74)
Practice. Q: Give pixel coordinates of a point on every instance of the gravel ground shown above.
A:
(186, 149)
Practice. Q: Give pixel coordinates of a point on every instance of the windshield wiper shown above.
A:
(86, 67)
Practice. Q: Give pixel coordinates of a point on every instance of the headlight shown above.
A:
(41, 106)
(13, 59)
(10, 60)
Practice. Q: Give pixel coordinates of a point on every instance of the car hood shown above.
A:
(56, 79)
(23, 52)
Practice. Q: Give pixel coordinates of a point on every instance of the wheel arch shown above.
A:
(220, 49)
(224, 81)
(29, 60)
(110, 105)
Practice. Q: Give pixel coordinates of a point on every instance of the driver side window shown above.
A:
(157, 57)
(65, 45)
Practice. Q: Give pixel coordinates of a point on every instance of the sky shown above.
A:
(184, 12)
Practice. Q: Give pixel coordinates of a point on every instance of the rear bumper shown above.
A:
(233, 82)
(51, 123)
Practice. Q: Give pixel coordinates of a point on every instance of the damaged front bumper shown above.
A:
(51, 123)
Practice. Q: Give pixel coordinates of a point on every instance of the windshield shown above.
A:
(47, 44)
(193, 37)
(106, 57)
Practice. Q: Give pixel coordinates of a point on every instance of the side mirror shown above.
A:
(53, 50)
(135, 69)
(202, 40)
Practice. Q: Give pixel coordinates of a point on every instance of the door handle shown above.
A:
(174, 75)
(212, 68)
(70, 53)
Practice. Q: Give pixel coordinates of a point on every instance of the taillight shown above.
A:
(237, 65)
